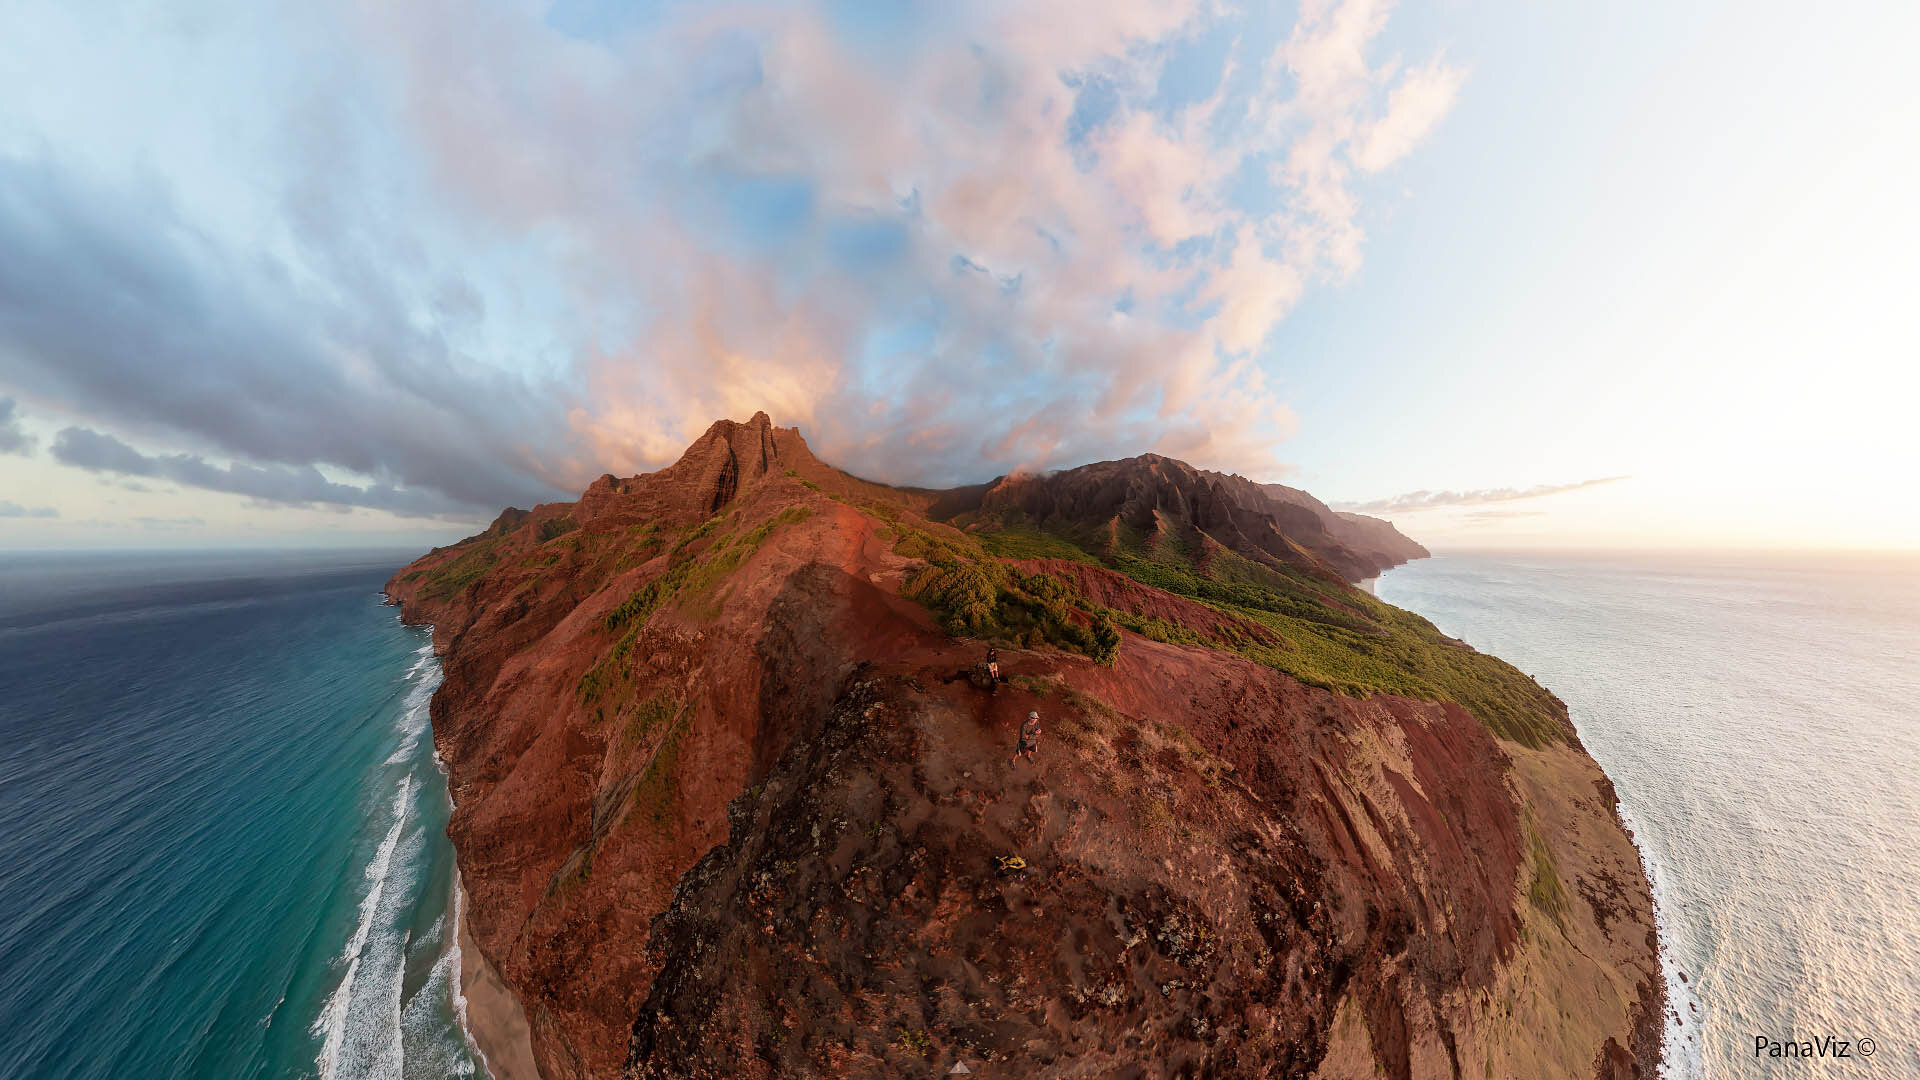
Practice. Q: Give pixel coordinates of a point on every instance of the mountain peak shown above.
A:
(709, 474)
(725, 426)
(1155, 499)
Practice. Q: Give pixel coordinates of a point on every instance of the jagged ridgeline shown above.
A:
(1029, 561)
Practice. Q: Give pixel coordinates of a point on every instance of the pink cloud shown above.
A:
(600, 158)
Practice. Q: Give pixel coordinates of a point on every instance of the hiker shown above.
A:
(1029, 738)
(993, 665)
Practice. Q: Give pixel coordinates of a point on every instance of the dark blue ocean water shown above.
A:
(222, 847)
(1760, 718)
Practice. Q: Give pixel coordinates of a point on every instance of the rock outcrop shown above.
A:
(727, 802)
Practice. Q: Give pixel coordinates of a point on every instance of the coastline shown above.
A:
(1670, 1045)
(1680, 1051)
(492, 1016)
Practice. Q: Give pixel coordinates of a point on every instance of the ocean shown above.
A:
(1760, 718)
(222, 823)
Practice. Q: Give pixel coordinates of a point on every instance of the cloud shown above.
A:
(500, 251)
(13, 438)
(15, 510)
(279, 485)
(1416, 501)
(1413, 109)
(85, 449)
(113, 305)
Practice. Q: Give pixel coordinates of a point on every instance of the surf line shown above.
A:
(332, 1021)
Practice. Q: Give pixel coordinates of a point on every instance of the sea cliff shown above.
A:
(730, 800)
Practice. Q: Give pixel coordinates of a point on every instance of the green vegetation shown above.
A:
(452, 577)
(1232, 582)
(652, 712)
(1020, 542)
(1035, 685)
(1546, 892)
(1317, 631)
(1151, 814)
(653, 795)
(918, 1042)
(1338, 639)
(976, 595)
(481, 554)
(553, 528)
(689, 577)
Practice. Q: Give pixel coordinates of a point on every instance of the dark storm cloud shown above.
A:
(86, 449)
(112, 305)
(13, 439)
(288, 485)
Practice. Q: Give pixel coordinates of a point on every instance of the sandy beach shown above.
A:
(494, 1017)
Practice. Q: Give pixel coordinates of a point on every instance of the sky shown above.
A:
(1509, 274)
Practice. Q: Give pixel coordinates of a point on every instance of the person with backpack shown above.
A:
(1029, 739)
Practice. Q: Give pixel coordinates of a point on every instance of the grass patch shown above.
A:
(1035, 685)
(1152, 814)
(652, 712)
(1022, 542)
(1338, 639)
(654, 794)
(456, 575)
(1546, 893)
(974, 594)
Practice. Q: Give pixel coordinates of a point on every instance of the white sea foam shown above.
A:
(415, 723)
(432, 1050)
(425, 657)
(417, 709)
(453, 961)
(370, 1030)
(1680, 1057)
(332, 1023)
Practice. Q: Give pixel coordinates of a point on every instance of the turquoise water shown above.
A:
(222, 846)
(1760, 718)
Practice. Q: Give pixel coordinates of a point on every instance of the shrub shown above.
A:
(975, 595)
